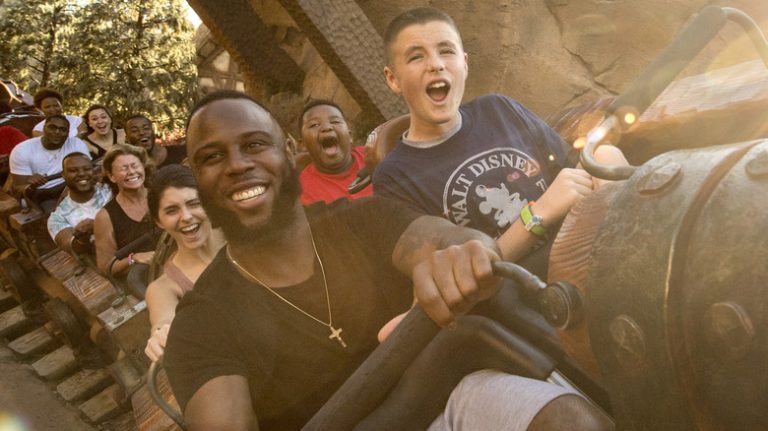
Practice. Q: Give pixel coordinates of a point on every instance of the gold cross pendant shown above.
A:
(336, 333)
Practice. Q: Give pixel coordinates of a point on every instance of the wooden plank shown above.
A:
(7, 301)
(92, 290)
(354, 50)
(61, 265)
(84, 384)
(128, 326)
(250, 42)
(56, 364)
(103, 406)
(13, 321)
(147, 414)
(31, 343)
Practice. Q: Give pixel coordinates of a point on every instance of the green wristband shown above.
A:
(532, 222)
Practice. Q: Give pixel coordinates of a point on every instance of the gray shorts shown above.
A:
(492, 400)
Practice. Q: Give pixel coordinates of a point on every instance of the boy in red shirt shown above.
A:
(335, 162)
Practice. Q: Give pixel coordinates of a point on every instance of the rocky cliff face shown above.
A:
(548, 54)
(551, 54)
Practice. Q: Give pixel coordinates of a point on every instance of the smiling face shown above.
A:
(99, 121)
(139, 132)
(244, 171)
(428, 67)
(181, 214)
(127, 172)
(326, 136)
(78, 174)
(50, 106)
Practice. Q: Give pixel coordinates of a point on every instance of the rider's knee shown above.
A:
(570, 412)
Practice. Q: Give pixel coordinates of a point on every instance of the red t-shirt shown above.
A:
(9, 137)
(318, 186)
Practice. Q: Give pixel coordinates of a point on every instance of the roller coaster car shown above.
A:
(658, 295)
(77, 298)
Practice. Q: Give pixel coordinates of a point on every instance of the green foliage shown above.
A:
(135, 56)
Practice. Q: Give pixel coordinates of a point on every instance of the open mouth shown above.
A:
(190, 230)
(438, 91)
(248, 194)
(84, 182)
(330, 145)
(134, 180)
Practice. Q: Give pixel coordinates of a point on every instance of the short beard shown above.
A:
(283, 214)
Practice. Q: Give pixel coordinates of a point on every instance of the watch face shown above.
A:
(536, 220)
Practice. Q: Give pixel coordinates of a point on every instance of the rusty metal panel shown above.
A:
(676, 291)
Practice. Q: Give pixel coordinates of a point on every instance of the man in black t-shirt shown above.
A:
(292, 305)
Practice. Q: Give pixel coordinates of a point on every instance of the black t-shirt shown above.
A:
(230, 326)
(176, 155)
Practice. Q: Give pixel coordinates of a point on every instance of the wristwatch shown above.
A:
(532, 221)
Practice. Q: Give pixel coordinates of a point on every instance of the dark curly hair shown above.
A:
(44, 94)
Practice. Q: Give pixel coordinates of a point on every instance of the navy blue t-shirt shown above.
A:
(503, 157)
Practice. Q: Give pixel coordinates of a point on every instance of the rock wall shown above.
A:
(551, 54)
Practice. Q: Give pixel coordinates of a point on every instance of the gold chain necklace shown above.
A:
(335, 332)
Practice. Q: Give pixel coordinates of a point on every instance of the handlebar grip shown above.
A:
(142, 241)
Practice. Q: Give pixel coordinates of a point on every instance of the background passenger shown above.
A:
(140, 131)
(37, 158)
(175, 206)
(101, 136)
(49, 103)
(335, 162)
(125, 218)
(73, 217)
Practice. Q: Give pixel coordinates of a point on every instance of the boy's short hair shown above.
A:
(318, 102)
(419, 15)
(44, 94)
